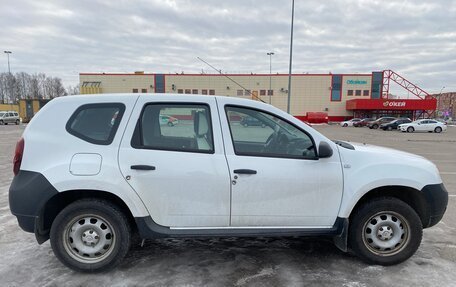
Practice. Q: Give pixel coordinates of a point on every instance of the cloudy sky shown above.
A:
(63, 38)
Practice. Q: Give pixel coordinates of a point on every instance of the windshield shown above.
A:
(1, 114)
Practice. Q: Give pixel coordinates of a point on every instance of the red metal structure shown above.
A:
(389, 75)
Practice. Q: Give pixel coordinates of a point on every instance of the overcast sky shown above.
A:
(417, 39)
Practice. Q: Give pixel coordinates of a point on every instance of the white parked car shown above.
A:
(108, 169)
(426, 125)
(350, 123)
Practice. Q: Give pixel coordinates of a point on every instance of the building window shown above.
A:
(135, 91)
(336, 87)
(188, 91)
(366, 93)
(180, 91)
(377, 80)
(195, 91)
(143, 90)
(204, 92)
(358, 93)
(270, 92)
(247, 93)
(240, 92)
(211, 92)
(262, 92)
(349, 92)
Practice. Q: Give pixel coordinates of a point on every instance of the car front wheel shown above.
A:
(385, 231)
(410, 129)
(90, 235)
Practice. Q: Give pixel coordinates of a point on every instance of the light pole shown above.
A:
(440, 99)
(291, 57)
(270, 75)
(7, 54)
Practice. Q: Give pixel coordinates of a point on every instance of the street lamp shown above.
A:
(7, 54)
(291, 57)
(440, 99)
(270, 72)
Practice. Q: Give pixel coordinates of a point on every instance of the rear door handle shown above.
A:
(142, 167)
(245, 171)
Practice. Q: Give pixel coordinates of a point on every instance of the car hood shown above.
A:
(383, 151)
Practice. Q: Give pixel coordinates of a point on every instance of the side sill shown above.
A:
(149, 229)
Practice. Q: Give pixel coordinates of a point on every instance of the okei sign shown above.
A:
(394, 104)
(391, 104)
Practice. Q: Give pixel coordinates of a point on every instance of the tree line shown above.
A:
(14, 87)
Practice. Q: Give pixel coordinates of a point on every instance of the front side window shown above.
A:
(257, 133)
(96, 123)
(175, 127)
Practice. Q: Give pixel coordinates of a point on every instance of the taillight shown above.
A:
(18, 156)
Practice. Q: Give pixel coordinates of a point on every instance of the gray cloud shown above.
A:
(62, 38)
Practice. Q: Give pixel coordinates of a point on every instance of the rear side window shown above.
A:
(96, 123)
(175, 127)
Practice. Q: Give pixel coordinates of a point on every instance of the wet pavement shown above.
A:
(245, 261)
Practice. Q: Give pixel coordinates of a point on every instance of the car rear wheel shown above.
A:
(410, 129)
(385, 231)
(90, 235)
(1, 123)
(438, 130)
(345, 125)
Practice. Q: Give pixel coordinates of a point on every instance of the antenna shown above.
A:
(220, 72)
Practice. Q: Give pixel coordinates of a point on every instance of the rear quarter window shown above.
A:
(96, 123)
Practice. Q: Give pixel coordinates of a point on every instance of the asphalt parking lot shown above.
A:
(245, 261)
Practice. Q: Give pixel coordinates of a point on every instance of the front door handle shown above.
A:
(245, 171)
(142, 167)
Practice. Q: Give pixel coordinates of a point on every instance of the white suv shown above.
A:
(108, 169)
(9, 117)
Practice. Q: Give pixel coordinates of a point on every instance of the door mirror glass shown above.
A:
(324, 150)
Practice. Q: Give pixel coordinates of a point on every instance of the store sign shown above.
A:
(393, 104)
(356, 82)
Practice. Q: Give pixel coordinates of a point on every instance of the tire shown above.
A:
(245, 125)
(375, 126)
(263, 125)
(88, 219)
(170, 124)
(397, 231)
(17, 122)
(1, 123)
(390, 128)
(410, 129)
(438, 130)
(345, 125)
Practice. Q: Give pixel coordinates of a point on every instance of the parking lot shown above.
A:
(245, 261)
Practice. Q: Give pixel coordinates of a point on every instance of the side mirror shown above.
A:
(324, 150)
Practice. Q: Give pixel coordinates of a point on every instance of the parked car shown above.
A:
(9, 117)
(168, 120)
(252, 122)
(350, 123)
(90, 184)
(364, 122)
(375, 124)
(394, 124)
(426, 125)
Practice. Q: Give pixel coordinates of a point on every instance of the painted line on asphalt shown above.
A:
(448, 172)
(452, 195)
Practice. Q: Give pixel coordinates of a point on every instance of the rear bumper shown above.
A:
(437, 200)
(28, 194)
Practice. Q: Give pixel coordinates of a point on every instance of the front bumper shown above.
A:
(437, 200)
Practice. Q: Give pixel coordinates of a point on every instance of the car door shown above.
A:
(180, 171)
(277, 180)
(422, 125)
(10, 118)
